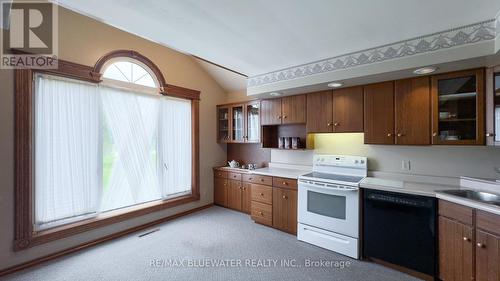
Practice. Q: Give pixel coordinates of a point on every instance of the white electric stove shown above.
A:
(328, 203)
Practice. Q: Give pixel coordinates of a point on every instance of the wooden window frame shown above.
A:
(25, 235)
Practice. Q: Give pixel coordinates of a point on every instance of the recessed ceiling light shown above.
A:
(275, 94)
(335, 84)
(425, 70)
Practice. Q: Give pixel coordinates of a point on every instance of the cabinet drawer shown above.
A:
(234, 176)
(455, 211)
(285, 183)
(220, 174)
(262, 193)
(265, 180)
(488, 221)
(262, 213)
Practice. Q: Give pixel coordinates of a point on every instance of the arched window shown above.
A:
(129, 71)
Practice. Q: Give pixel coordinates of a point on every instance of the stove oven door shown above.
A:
(329, 207)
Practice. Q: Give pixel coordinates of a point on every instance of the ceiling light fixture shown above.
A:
(425, 70)
(335, 84)
(275, 94)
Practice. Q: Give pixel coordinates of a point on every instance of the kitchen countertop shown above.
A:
(280, 172)
(404, 186)
(270, 171)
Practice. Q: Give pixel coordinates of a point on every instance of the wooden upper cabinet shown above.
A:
(293, 109)
(458, 109)
(348, 110)
(412, 111)
(320, 112)
(456, 251)
(223, 124)
(270, 111)
(379, 113)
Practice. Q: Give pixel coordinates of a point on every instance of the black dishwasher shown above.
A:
(400, 229)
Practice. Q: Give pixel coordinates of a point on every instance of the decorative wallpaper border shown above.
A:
(469, 34)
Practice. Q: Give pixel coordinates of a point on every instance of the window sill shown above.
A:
(59, 232)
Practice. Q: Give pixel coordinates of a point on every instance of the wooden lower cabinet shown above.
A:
(487, 256)
(220, 191)
(469, 246)
(285, 209)
(455, 250)
(246, 197)
(234, 195)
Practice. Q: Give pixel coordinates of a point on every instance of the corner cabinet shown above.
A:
(238, 123)
(458, 109)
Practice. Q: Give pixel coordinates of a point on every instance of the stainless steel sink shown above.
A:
(480, 196)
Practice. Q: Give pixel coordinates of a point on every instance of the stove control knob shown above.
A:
(356, 161)
(362, 161)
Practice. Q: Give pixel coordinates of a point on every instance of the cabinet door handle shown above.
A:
(249, 179)
(400, 135)
(389, 134)
(480, 245)
(490, 134)
(434, 134)
(279, 117)
(285, 183)
(336, 124)
(284, 116)
(261, 194)
(284, 197)
(466, 239)
(261, 213)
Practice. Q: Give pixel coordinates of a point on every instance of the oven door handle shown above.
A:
(326, 186)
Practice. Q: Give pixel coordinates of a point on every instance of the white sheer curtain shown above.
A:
(67, 146)
(175, 146)
(132, 121)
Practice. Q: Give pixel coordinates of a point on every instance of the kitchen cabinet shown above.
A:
(223, 124)
(493, 106)
(487, 256)
(234, 195)
(293, 109)
(379, 113)
(458, 108)
(220, 191)
(455, 250)
(469, 243)
(270, 112)
(246, 197)
(319, 112)
(337, 111)
(412, 111)
(348, 110)
(285, 209)
(238, 123)
(286, 110)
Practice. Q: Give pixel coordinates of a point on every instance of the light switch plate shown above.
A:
(405, 165)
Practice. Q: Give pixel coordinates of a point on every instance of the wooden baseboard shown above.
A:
(37, 261)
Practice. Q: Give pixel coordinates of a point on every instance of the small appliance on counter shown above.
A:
(328, 203)
(233, 164)
(289, 142)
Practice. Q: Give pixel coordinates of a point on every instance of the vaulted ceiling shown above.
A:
(260, 36)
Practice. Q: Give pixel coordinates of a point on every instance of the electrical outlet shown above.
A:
(405, 165)
(497, 169)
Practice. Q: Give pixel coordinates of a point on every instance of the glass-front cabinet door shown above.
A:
(496, 108)
(458, 108)
(223, 124)
(238, 123)
(253, 122)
